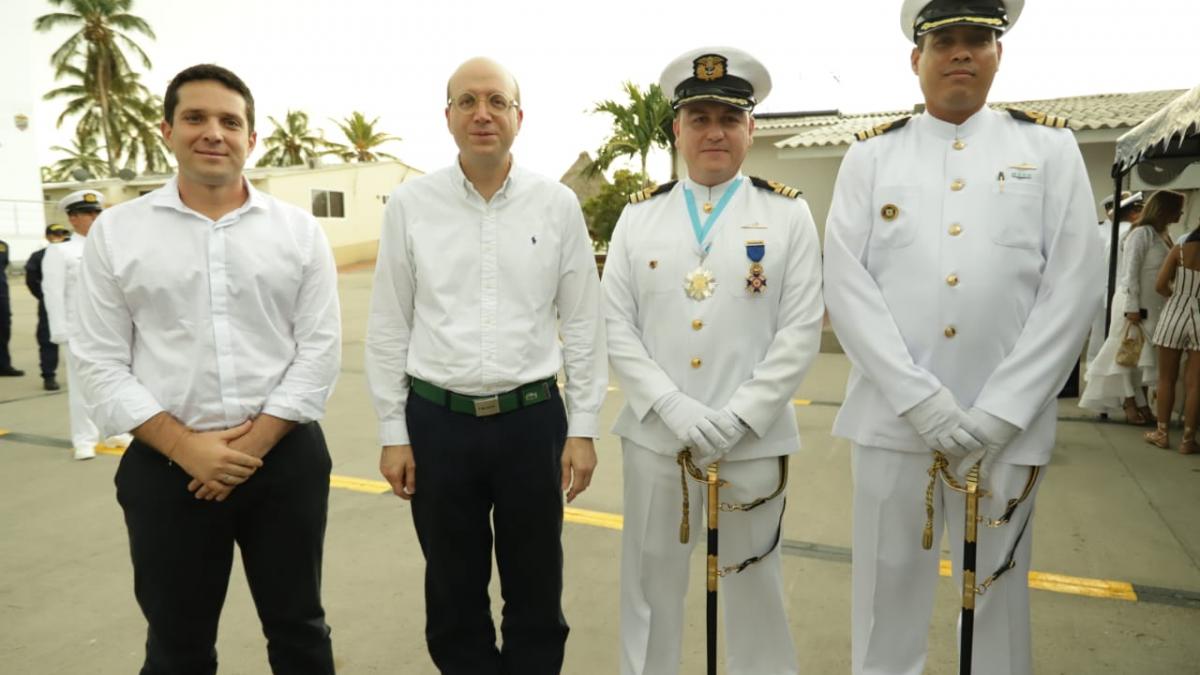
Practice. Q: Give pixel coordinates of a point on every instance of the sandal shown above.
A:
(1133, 415)
(1159, 437)
(1188, 445)
(1147, 415)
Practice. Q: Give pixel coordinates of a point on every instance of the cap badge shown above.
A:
(89, 198)
(710, 67)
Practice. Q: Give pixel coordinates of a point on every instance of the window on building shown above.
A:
(328, 204)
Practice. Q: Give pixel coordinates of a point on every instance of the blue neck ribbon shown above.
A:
(700, 230)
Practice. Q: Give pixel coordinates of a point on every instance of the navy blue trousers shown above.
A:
(182, 550)
(474, 473)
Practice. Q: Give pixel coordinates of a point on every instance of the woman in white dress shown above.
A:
(1136, 306)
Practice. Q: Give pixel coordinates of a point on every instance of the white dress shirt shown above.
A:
(961, 256)
(745, 350)
(60, 286)
(213, 322)
(472, 295)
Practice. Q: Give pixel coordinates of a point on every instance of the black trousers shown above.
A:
(47, 350)
(182, 551)
(473, 473)
(5, 325)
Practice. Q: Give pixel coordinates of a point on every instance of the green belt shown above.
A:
(483, 406)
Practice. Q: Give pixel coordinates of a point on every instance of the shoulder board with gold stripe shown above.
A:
(882, 129)
(776, 187)
(1039, 118)
(652, 191)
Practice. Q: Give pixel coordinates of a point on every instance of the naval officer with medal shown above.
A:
(960, 277)
(712, 294)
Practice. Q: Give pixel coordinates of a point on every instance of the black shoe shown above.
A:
(50, 384)
(9, 371)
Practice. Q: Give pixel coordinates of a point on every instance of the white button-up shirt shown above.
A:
(472, 296)
(212, 321)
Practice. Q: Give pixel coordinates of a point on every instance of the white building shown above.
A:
(347, 199)
(21, 222)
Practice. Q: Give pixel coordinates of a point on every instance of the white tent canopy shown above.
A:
(1163, 134)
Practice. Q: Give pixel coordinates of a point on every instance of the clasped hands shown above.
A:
(709, 433)
(219, 461)
(970, 436)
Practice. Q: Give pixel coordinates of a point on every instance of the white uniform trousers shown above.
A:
(893, 578)
(84, 434)
(654, 568)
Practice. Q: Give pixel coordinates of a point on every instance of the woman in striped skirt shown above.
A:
(1178, 330)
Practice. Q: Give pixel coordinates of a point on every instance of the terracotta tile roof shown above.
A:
(1096, 111)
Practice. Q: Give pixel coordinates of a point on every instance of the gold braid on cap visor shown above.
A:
(983, 21)
(737, 102)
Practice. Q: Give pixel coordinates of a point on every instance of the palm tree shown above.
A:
(84, 153)
(101, 31)
(292, 143)
(133, 118)
(363, 139)
(639, 126)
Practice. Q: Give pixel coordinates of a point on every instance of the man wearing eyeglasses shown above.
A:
(482, 266)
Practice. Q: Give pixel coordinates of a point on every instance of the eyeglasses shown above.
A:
(496, 103)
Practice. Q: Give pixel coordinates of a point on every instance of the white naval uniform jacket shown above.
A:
(60, 287)
(965, 257)
(746, 350)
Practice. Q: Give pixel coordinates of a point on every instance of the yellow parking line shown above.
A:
(801, 401)
(4, 432)
(374, 487)
(1061, 583)
(611, 521)
(102, 449)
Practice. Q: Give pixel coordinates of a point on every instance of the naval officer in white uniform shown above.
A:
(960, 277)
(712, 292)
(60, 288)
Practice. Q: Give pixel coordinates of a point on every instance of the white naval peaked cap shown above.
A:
(1135, 198)
(918, 17)
(82, 200)
(722, 74)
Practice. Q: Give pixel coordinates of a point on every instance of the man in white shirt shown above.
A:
(482, 266)
(960, 277)
(712, 290)
(60, 288)
(209, 325)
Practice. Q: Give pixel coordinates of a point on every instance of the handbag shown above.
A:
(1132, 342)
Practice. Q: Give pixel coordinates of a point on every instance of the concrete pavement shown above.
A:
(1111, 509)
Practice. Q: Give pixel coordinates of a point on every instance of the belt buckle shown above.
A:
(487, 406)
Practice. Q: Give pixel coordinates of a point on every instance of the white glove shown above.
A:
(995, 433)
(683, 415)
(941, 423)
(730, 426)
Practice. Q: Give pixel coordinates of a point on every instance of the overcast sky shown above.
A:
(391, 59)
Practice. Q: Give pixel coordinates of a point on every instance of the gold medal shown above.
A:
(708, 207)
(756, 281)
(699, 284)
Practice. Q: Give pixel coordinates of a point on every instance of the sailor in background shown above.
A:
(47, 350)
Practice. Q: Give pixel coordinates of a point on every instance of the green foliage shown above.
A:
(362, 139)
(106, 94)
(84, 153)
(292, 143)
(601, 212)
(638, 126)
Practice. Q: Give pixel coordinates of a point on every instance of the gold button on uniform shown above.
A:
(952, 280)
(950, 331)
(957, 185)
(696, 363)
(955, 230)
(697, 324)
(959, 145)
